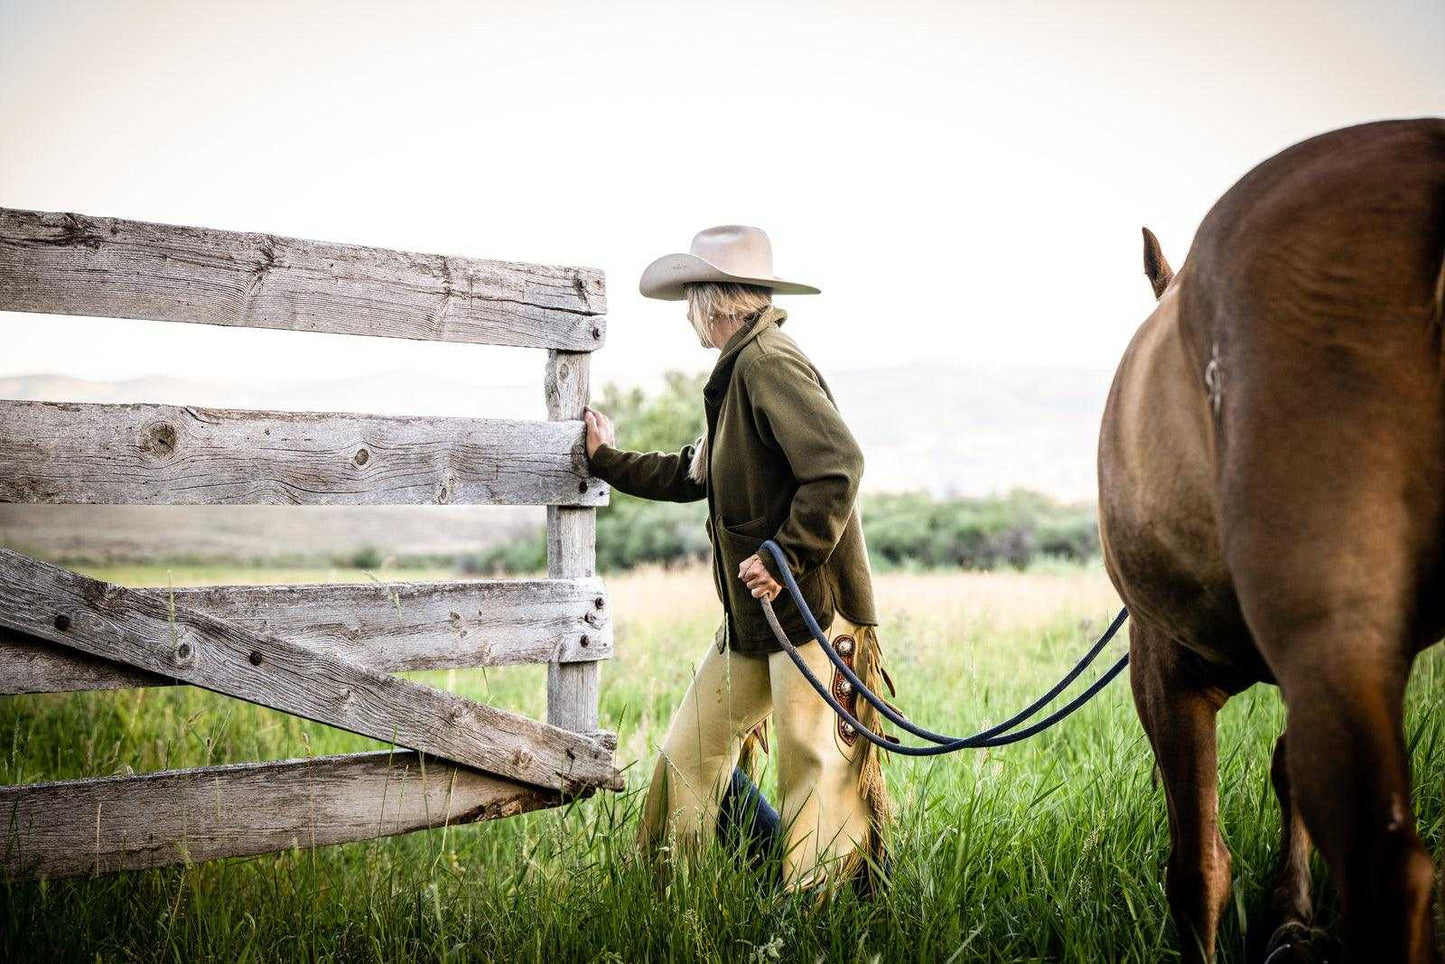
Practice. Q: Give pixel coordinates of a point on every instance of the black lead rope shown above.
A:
(993, 736)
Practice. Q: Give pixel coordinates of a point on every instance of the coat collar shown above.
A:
(717, 382)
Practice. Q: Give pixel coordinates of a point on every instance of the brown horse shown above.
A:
(1272, 506)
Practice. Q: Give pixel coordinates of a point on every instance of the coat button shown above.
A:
(845, 646)
(847, 728)
(845, 687)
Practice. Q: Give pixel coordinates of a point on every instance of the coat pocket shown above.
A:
(748, 612)
(760, 528)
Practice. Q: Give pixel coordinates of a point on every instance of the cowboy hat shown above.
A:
(732, 253)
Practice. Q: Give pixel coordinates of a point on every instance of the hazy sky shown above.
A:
(965, 181)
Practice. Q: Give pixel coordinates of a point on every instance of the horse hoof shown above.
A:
(1295, 943)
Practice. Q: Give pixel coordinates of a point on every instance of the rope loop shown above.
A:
(1000, 735)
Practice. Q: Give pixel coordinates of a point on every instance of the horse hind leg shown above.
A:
(1330, 607)
(1348, 765)
(1291, 905)
(1178, 712)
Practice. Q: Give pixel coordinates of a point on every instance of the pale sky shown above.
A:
(965, 181)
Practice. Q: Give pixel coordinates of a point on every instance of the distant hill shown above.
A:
(952, 430)
(948, 430)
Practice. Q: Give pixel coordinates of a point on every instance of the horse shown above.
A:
(1272, 510)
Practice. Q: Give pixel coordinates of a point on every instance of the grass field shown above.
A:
(1050, 850)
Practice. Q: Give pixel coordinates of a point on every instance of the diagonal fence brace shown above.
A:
(147, 631)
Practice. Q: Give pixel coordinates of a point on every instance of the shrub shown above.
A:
(367, 557)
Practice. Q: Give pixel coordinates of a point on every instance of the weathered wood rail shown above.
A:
(388, 626)
(324, 652)
(172, 455)
(106, 824)
(71, 264)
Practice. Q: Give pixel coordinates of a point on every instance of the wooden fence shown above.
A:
(323, 652)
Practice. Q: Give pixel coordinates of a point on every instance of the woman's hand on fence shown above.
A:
(758, 579)
(599, 430)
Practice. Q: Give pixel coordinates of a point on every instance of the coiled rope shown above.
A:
(1000, 735)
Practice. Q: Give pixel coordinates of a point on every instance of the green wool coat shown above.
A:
(784, 466)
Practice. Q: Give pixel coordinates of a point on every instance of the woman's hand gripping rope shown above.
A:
(759, 581)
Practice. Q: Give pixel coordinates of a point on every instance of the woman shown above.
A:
(776, 462)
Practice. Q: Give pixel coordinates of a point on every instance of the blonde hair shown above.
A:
(710, 304)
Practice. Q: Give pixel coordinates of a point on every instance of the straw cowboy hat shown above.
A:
(729, 253)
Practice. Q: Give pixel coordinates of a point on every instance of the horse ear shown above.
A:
(1158, 270)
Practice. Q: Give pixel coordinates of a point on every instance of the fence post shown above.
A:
(572, 688)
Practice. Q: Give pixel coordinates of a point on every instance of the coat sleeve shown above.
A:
(794, 414)
(659, 476)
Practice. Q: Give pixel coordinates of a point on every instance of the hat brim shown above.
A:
(667, 278)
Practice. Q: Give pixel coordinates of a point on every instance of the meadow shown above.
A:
(1053, 849)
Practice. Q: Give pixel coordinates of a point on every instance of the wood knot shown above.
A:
(77, 230)
(596, 332)
(102, 595)
(186, 643)
(362, 456)
(159, 440)
(586, 642)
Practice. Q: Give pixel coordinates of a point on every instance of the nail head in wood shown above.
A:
(255, 657)
(62, 622)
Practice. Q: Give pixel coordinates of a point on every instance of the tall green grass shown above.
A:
(1050, 850)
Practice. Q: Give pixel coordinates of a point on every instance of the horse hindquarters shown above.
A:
(1330, 534)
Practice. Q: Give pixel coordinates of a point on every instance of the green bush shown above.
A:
(521, 555)
(917, 531)
(367, 557)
